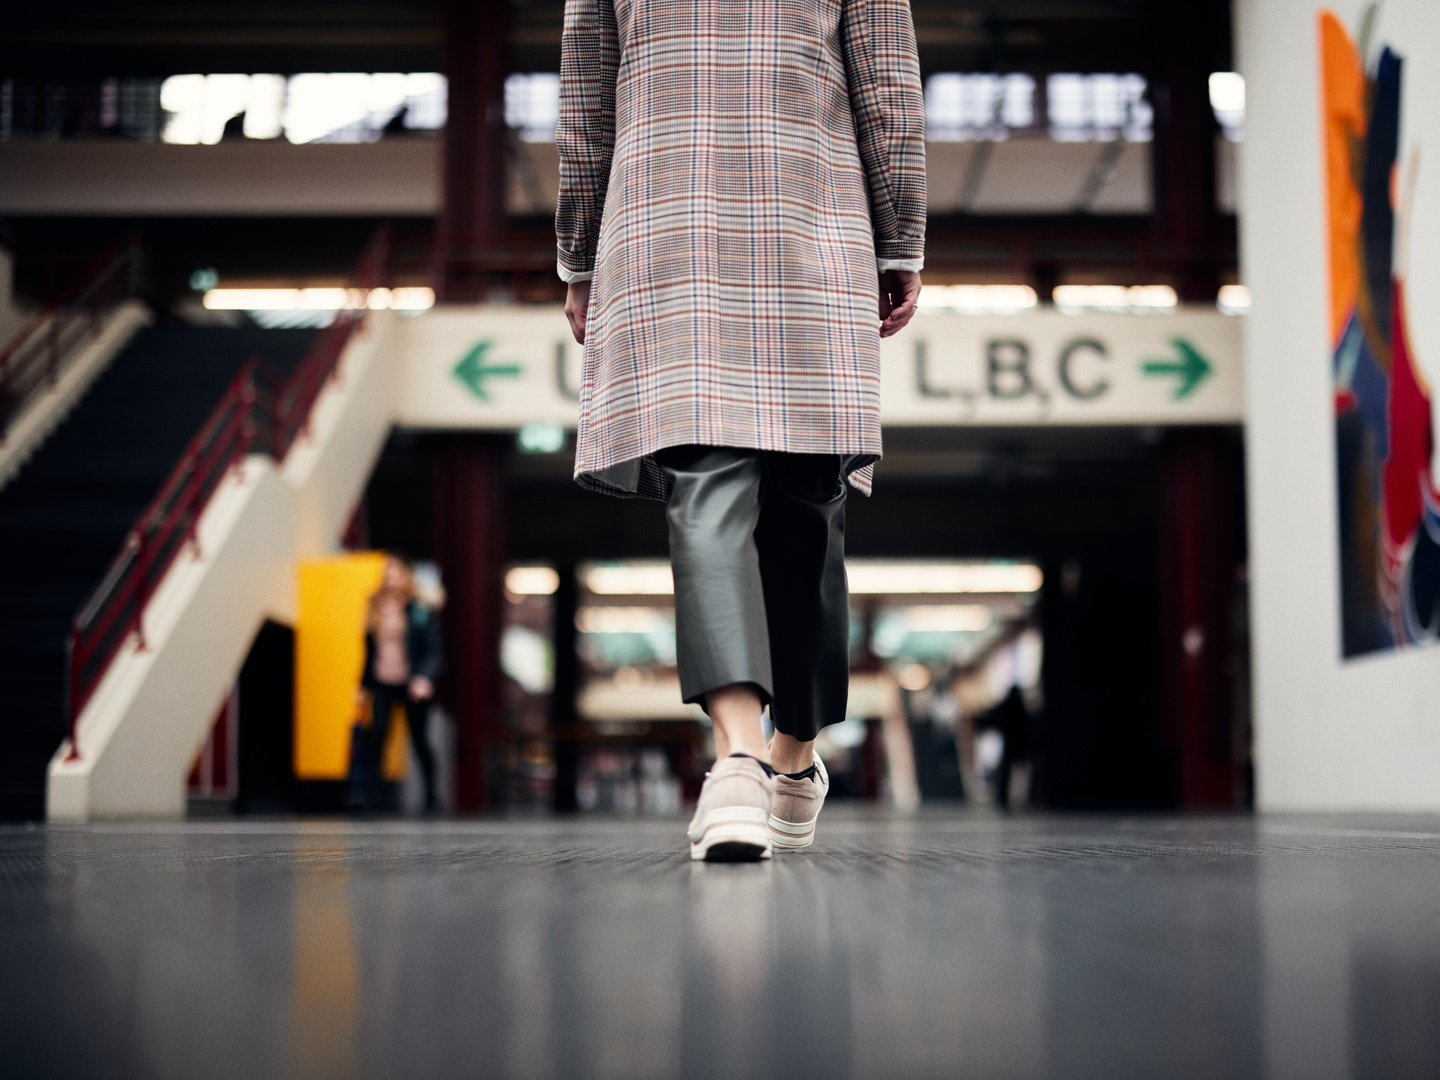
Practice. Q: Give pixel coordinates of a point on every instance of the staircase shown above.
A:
(66, 514)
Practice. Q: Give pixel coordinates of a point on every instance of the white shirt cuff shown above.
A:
(913, 265)
(569, 276)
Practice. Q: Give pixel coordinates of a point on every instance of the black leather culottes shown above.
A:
(757, 545)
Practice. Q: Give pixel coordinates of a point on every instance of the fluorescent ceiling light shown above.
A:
(948, 618)
(896, 578)
(631, 579)
(978, 299)
(1227, 100)
(1135, 299)
(622, 620)
(866, 577)
(531, 581)
(407, 299)
(1233, 299)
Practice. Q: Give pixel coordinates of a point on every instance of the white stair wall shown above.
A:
(152, 712)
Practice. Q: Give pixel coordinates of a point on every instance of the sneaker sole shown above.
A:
(733, 834)
(790, 836)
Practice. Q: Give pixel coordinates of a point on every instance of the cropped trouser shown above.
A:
(757, 546)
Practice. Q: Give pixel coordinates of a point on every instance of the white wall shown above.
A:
(1365, 733)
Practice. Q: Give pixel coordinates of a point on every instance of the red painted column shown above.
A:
(1198, 566)
(470, 542)
(1185, 220)
(472, 216)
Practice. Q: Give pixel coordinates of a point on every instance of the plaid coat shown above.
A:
(730, 173)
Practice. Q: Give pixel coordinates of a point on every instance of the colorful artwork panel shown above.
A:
(1389, 511)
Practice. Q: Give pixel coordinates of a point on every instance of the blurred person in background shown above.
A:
(403, 657)
(735, 247)
(1011, 720)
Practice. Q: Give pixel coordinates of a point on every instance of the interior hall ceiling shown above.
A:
(80, 38)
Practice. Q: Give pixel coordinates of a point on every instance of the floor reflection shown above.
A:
(325, 993)
(945, 946)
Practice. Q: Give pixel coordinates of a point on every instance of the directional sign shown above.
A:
(472, 370)
(1192, 368)
(518, 365)
(1051, 368)
(487, 367)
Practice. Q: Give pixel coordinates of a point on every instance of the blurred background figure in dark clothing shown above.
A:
(403, 657)
(1011, 721)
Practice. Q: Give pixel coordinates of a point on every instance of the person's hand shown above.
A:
(577, 307)
(899, 293)
(362, 705)
(421, 688)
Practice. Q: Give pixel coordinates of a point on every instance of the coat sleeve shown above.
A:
(889, 107)
(585, 134)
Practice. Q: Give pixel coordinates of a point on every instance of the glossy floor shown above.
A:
(943, 946)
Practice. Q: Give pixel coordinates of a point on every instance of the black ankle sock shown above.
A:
(768, 770)
(803, 774)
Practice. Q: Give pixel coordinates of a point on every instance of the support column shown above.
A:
(470, 545)
(1198, 565)
(564, 721)
(1183, 152)
(472, 218)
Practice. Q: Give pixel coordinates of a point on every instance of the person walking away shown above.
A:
(403, 657)
(741, 218)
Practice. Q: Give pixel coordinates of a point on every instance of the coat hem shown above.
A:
(642, 478)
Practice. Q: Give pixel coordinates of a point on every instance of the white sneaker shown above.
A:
(796, 808)
(730, 823)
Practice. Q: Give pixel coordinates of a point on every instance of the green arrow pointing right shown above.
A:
(1192, 368)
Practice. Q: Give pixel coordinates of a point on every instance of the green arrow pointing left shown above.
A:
(472, 370)
(1192, 368)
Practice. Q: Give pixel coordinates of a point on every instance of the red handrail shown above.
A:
(257, 413)
(31, 361)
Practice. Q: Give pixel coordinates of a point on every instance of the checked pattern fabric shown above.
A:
(730, 172)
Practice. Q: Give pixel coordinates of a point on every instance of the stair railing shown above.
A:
(33, 361)
(260, 412)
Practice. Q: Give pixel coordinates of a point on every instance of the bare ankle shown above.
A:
(735, 713)
(789, 755)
